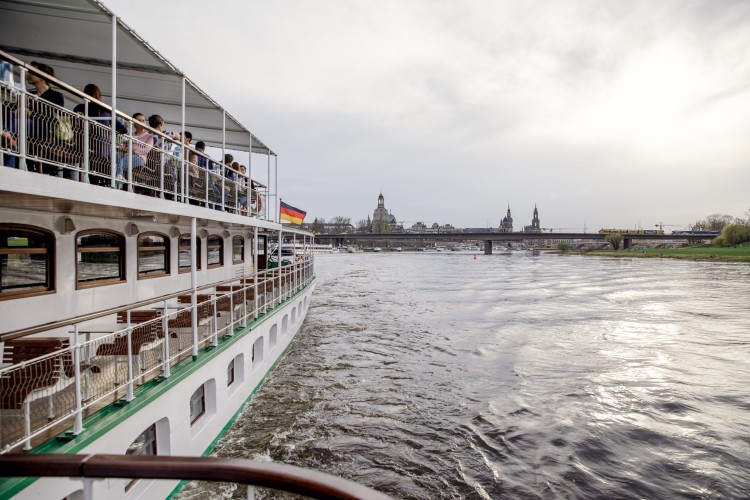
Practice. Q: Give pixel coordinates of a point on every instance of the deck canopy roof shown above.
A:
(75, 38)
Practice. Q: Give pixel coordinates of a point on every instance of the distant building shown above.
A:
(506, 225)
(534, 227)
(382, 215)
(418, 227)
(437, 228)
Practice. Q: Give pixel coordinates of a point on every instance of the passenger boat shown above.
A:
(304, 249)
(139, 315)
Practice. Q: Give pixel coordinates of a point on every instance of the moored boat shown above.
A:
(304, 249)
(139, 313)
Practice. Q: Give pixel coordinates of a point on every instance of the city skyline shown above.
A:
(614, 113)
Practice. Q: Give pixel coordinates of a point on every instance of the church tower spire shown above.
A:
(506, 225)
(535, 221)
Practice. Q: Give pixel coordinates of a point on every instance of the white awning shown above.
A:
(75, 38)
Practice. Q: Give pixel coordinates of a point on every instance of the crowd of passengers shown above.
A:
(43, 132)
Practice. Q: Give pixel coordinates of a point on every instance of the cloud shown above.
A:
(598, 110)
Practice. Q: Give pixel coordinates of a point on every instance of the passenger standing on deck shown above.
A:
(41, 119)
(143, 141)
(101, 130)
(242, 190)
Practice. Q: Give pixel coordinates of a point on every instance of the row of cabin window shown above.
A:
(27, 257)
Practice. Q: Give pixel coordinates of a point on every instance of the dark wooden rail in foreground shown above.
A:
(282, 477)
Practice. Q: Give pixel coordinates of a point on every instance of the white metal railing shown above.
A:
(49, 381)
(40, 136)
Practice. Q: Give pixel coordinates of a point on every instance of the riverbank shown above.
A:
(722, 254)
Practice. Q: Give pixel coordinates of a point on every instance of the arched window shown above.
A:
(184, 253)
(27, 261)
(153, 255)
(145, 444)
(197, 404)
(100, 258)
(238, 250)
(215, 248)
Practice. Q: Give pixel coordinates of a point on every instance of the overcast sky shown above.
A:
(608, 113)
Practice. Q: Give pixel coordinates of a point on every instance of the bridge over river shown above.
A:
(488, 237)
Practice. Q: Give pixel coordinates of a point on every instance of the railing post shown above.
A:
(194, 322)
(231, 309)
(161, 170)
(184, 182)
(86, 135)
(208, 179)
(215, 336)
(129, 396)
(78, 424)
(244, 303)
(22, 132)
(223, 187)
(88, 488)
(130, 156)
(165, 328)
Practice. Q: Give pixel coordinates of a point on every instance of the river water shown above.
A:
(438, 375)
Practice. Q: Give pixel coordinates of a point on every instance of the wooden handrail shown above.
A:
(310, 483)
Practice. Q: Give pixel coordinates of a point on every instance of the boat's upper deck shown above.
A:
(168, 139)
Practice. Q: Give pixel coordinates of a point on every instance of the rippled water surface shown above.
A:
(440, 376)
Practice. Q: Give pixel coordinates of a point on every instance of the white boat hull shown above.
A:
(166, 404)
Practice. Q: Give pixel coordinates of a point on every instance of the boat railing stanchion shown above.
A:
(86, 135)
(78, 424)
(130, 160)
(215, 335)
(244, 303)
(129, 396)
(166, 370)
(24, 123)
(162, 164)
(231, 310)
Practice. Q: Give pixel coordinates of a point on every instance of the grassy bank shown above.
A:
(724, 254)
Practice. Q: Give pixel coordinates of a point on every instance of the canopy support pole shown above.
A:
(113, 130)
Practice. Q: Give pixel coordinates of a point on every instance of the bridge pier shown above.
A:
(627, 243)
(488, 247)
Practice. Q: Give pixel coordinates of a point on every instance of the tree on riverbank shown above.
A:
(318, 226)
(381, 226)
(563, 246)
(733, 234)
(614, 239)
(714, 222)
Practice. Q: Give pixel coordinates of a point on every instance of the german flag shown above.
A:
(291, 214)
